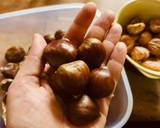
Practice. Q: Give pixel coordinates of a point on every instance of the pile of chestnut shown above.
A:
(143, 41)
(77, 76)
(13, 56)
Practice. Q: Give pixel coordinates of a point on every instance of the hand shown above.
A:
(31, 102)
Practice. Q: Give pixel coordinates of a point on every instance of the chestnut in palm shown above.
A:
(83, 111)
(70, 79)
(92, 52)
(101, 83)
(59, 52)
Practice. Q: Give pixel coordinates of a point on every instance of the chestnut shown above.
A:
(59, 34)
(59, 52)
(129, 41)
(155, 25)
(15, 54)
(92, 52)
(154, 46)
(140, 53)
(136, 28)
(144, 38)
(83, 111)
(5, 83)
(153, 64)
(48, 38)
(70, 79)
(101, 83)
(9, 70)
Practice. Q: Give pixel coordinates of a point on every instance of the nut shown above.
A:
(9, 70)
(145, 37)
(59, 52)
(129, 41)
(140, 53)
(135, 20)
(155, 25)
(48, 38)
(5, 83)
(136, 28)
(70, 79)
(15, 54)
(154, 46)
(101, 83)
(59, 34)
(92, 52)
(83, 111)
(152, 64)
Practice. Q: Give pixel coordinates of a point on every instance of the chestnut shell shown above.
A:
(9, 70)
(101, 83)
(59, 34)
(70, 79)
(92, 52)
(15, 54)
(48, 38)
(83, 111)
(59, 52)
(5, 83)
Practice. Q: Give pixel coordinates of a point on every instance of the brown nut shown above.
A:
(15, 54)
(59, 52)
(92, 52)
(152, 64)
(135, 29)
(83, 111)
(101, 83)
(5, 83)
(9, 70)
(154, 46)
(59, 34)
(70, 79)
(48, 38)
(155, 25)
(129, 41)
(140, 53)
(144, 38)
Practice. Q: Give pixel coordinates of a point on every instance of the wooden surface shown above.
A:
(146, 92)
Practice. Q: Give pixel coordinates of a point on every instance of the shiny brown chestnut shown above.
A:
(9, 70)
(15, 54)
(101, 83)
(135, 28)
(70, 79)
(59, 52)
(5, 83)
(92, 52)
(83, 111)
(59, 34)
(48, 38)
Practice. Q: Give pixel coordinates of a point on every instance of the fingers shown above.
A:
(101, 26)
(117, 60)
(111, 39)
(81, 23)
(32, 64)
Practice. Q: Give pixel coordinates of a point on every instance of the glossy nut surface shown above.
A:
(59, 34)
(101, 83)
(92, 52)
(9, 70)
(59, 52)
(15, 54)
(70, 79)
(48, 38)
(83, 111)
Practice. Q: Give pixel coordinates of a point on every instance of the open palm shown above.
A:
(31, 102)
